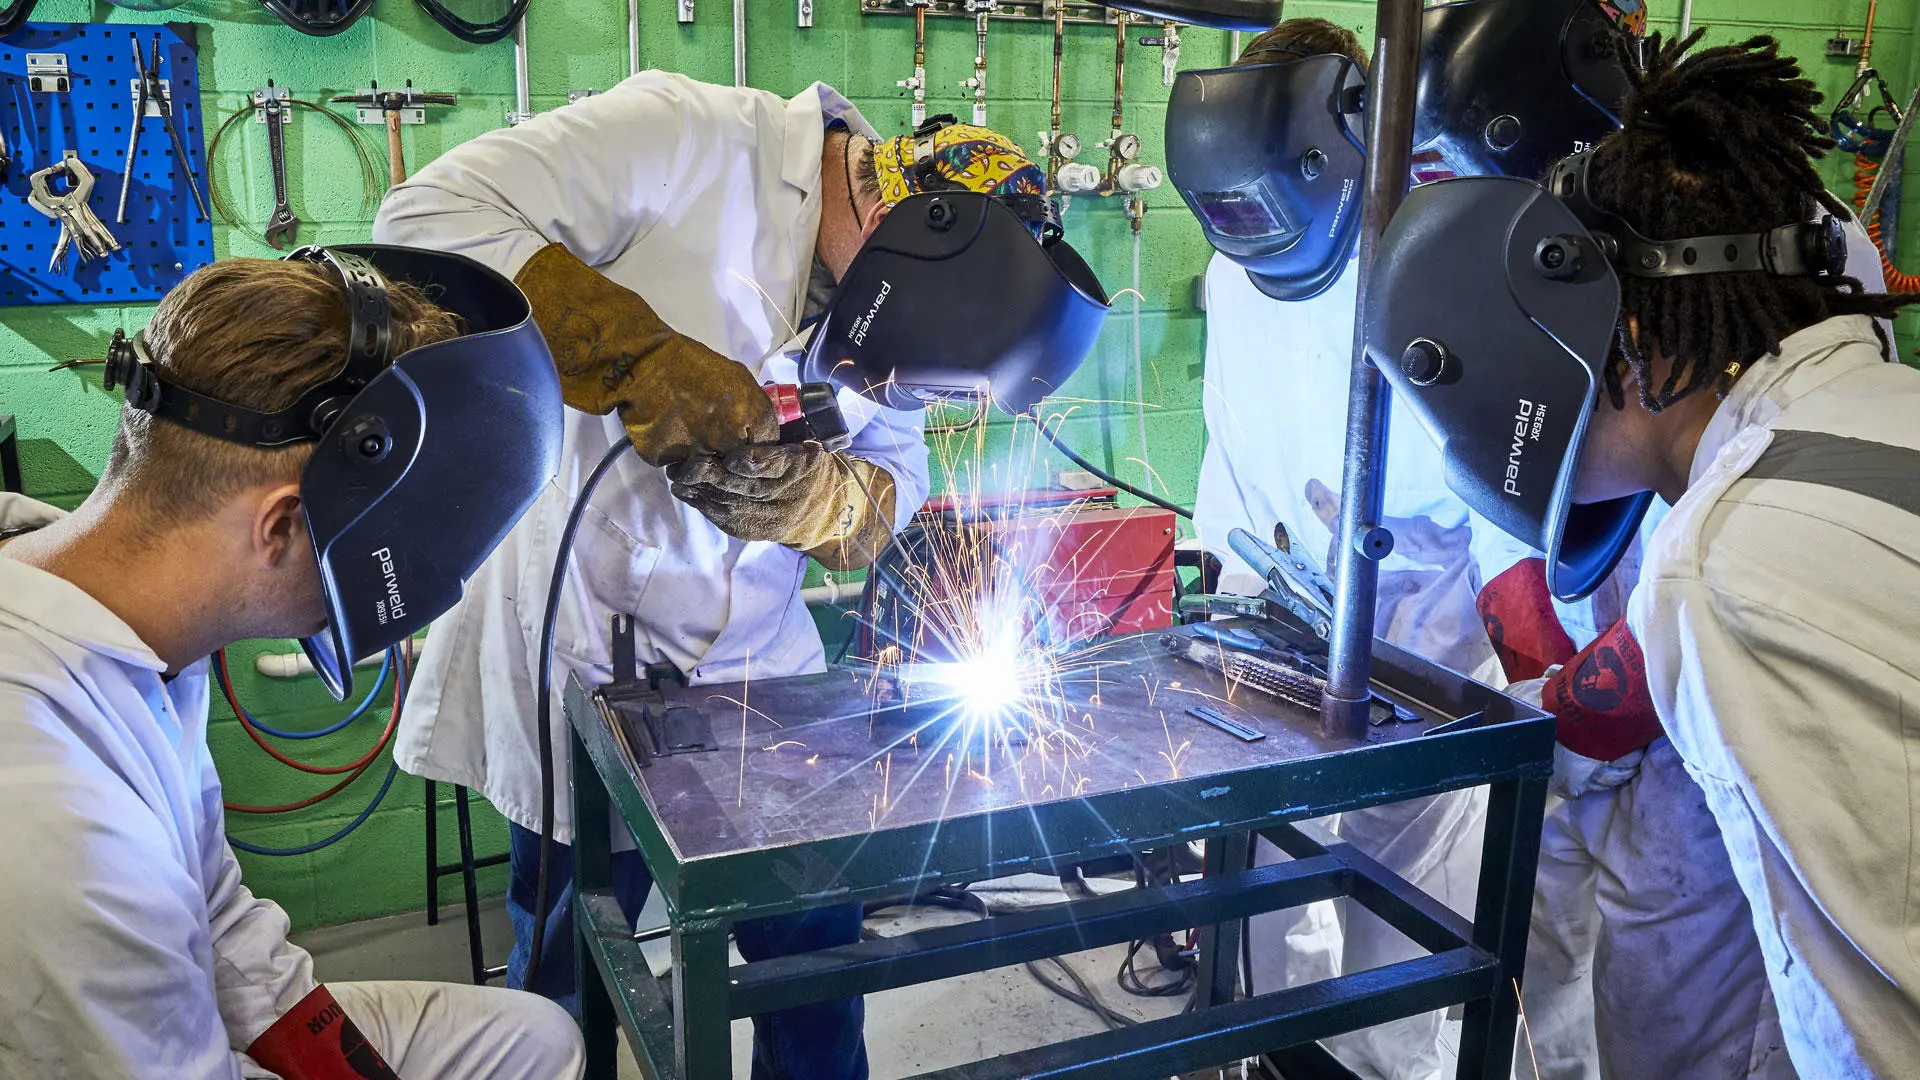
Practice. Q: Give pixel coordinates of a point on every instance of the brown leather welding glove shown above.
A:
(833, 506)
(676, 397)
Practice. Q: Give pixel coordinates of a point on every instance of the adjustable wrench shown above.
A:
(282, 227)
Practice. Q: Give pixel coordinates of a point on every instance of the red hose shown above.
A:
(318, 770)
(1864, 171)
(365, 763)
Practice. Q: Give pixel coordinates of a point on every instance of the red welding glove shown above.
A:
(317, 1040)
(1601, 698)
(1517, 609)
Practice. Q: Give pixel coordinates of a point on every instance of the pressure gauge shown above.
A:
(1127, 147)
(1066, 147)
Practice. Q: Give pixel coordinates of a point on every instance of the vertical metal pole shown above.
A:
(1509, 859)
(522, 89)
(633, 37)
(476, 950)
(433, 854)
(592, 873)
(739, 42)
(1219, 949)
(1396, 58)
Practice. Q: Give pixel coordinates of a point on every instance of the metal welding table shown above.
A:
(816, 811)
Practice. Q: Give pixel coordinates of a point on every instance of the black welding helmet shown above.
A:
(1508, 87)
(1492, 312)
(952, 296)
(321, 18)
(1269, 159)
(423, 461)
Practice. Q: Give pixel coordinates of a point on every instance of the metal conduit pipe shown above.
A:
(522, 90)
(1396, 59)
(633, 37)
(739, 42)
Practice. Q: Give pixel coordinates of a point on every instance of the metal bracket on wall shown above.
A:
(685, 13)
(1012, 10)
(279, 93)
(806, 15)
(47, 73)
(374, 114)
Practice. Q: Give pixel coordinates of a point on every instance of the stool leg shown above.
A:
(475, 948)
(433, 854)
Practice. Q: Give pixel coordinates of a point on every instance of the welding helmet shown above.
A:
(423, 461)
(1269, 158)
(14, 14)
(321, 18)
(1492, 311)
(952, 296)
(1508, 87)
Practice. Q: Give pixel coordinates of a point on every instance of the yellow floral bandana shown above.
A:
(974, 158)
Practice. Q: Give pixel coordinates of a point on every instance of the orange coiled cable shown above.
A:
(1864, 171)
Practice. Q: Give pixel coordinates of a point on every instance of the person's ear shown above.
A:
(279, 526)
(873, 219)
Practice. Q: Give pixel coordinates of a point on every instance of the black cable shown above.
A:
(1110, 479)
(545, 706)
(1086, 997)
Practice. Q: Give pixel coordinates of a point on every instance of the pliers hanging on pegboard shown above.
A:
(149, 90)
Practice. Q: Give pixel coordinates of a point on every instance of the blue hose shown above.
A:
(392, 771)
(386, 666)
(308, 849)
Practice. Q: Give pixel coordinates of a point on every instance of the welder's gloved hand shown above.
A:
(677, 398)
(833, 506)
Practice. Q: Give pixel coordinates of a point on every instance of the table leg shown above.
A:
(1510, 856)
(702, 1032)
(1219, 946)
(592, 871)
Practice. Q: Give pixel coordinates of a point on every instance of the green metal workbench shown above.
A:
(807, 803)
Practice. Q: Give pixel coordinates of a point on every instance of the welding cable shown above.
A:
(246, 724)
(1086, 997)
(1110, 479)
(399, 695)
(345, 830)
(386, 666)
(541, 903)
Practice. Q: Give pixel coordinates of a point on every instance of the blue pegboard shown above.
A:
(165, 238)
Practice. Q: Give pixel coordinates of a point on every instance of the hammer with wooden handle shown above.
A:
(392, 103)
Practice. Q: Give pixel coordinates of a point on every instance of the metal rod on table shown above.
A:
(1396, 57)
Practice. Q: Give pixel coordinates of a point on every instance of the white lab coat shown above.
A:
(1275, 398)
(1783, 652)
(705, 200)
(131, 948)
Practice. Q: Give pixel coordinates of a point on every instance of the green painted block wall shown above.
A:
(66, 421)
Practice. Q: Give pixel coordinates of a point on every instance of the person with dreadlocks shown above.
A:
(1773, 610)
(1672, 316)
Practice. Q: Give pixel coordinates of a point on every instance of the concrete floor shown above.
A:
(909, 1031)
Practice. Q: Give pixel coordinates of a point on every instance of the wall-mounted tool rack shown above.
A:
(165, 238)
(1018, 11)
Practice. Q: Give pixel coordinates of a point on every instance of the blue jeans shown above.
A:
(812, 1042)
